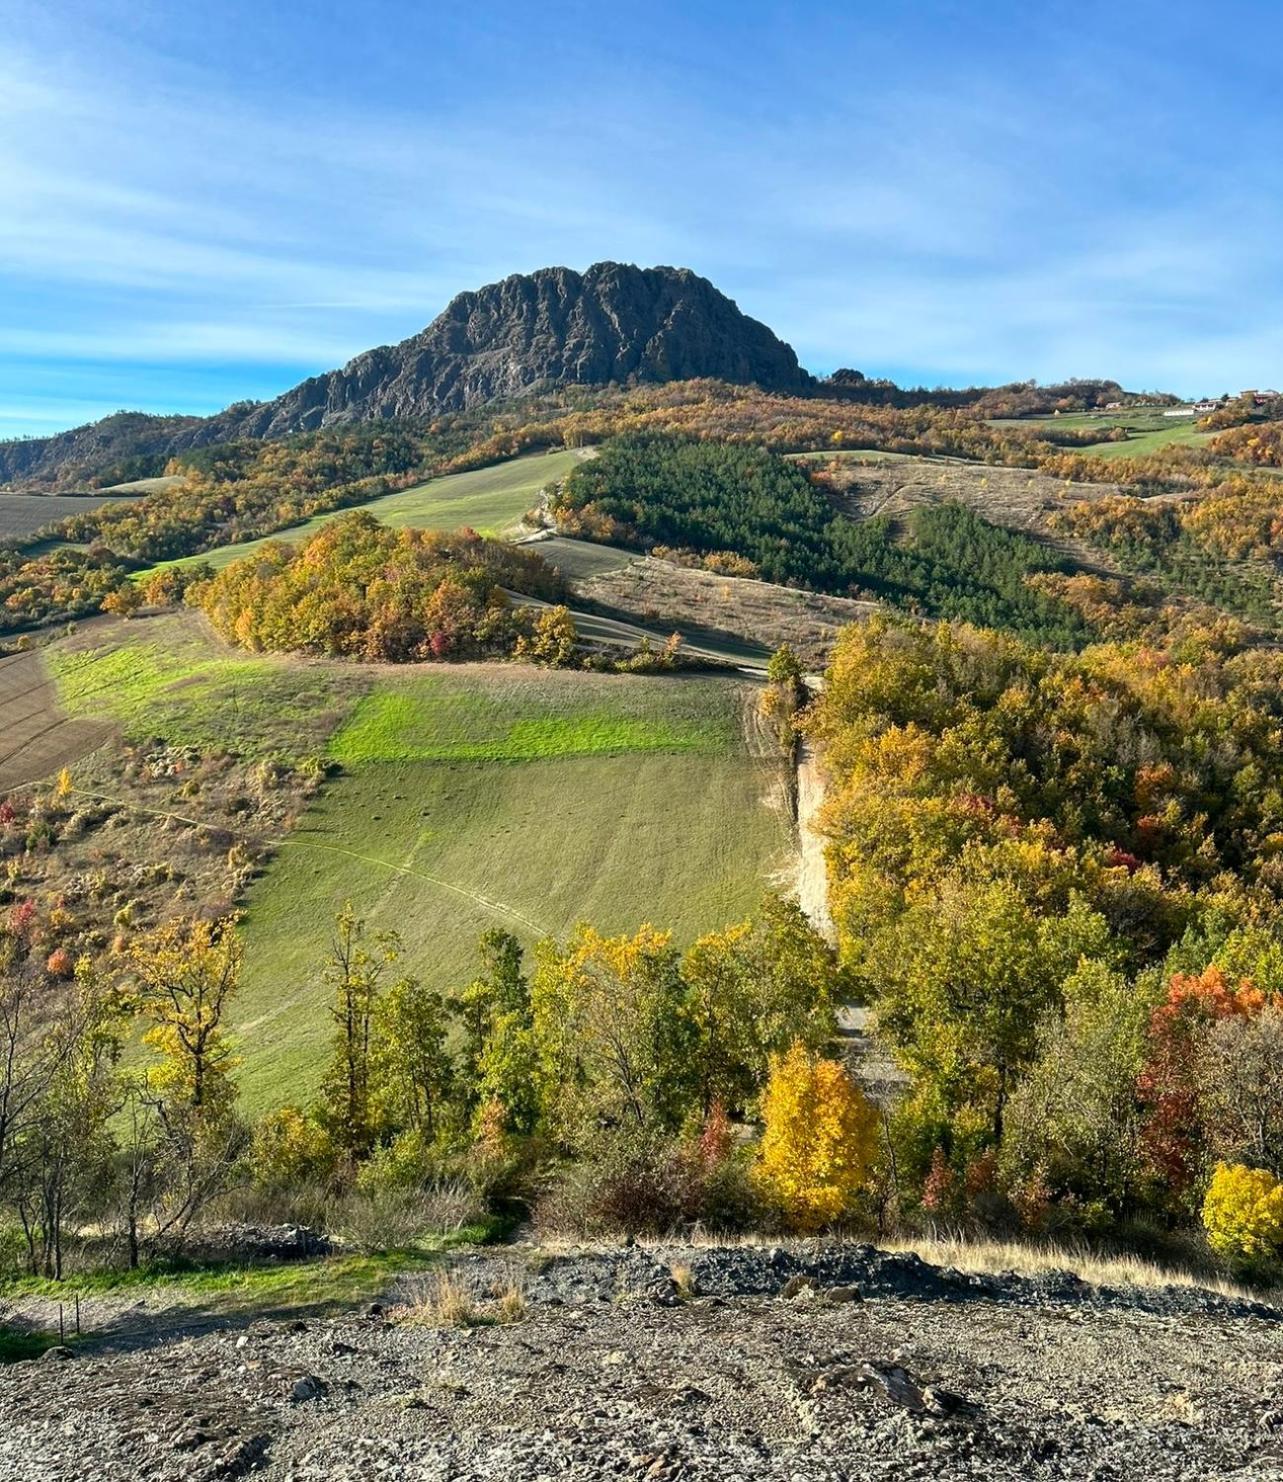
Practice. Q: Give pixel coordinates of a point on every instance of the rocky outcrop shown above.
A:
(614, 323)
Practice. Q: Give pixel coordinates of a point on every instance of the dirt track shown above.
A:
(36, 738)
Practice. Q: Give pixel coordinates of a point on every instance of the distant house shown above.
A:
(1113, 406)
(1181, 412)
(1206, 406)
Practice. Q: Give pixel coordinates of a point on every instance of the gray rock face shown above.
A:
(555, 327)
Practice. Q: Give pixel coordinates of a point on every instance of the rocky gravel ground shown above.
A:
(807, 1363)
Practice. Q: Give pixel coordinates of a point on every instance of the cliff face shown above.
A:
(551, 328)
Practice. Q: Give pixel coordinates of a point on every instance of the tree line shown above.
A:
(602, 1076)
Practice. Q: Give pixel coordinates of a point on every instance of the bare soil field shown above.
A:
(22, 515)
(1019, 498)
(757, 612)
(36, 737)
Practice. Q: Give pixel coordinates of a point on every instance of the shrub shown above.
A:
(61, 964)
(625, 1182)
(1243, 1213)
(407, 1162)
(399, 1219)
(291, 1148)
(818, 1142)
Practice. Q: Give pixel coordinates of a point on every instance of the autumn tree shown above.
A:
(819, 1137)
(552, 639)
(1075, 1120)
(965, 976)
(753, 990)
(611, 1033)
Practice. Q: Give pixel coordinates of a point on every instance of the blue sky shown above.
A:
(207, 202)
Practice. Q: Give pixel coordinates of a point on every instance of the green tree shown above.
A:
(353, 975)
(413, 1067)
(964, 978)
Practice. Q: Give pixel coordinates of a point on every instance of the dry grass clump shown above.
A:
(990, 1256)
(444, 1300)
(437, 1301)
(683, 1279)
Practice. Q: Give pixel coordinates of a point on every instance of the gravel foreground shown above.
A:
(800, 1364)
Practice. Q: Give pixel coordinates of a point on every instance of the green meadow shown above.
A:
(490, 500)
(462, 798)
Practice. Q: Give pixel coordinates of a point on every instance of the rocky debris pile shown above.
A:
(238, 1242)
(818, 1381)
(583, 1277)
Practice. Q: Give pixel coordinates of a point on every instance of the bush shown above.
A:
(633, 1183)
(291, 1148)
(407, 1162)
(398, 1219)
(1243, 1213)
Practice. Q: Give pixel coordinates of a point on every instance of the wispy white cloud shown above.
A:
(887, 206)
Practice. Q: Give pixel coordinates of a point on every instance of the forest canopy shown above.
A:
(679, 494)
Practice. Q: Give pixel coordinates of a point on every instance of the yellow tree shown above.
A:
(187, 973)
(818, 1140)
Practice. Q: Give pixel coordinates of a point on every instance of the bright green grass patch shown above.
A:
(1141, 443)
(440, 850)
(490, 500)
(166, 677)
(17, 1344)
(516, 717)
(324, 1281)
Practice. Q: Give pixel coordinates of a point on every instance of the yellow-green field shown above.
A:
(1147, 430)
(504, 796)
(491, 500)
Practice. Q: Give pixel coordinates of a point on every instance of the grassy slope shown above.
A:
(490, 500)
(168, 676)
(467, 798)
(506, 797)
(1148, 430)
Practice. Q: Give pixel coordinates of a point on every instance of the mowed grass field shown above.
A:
(490, 500)
(463, 798)
(21, 515)
(500, 796)
(1147, 430)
